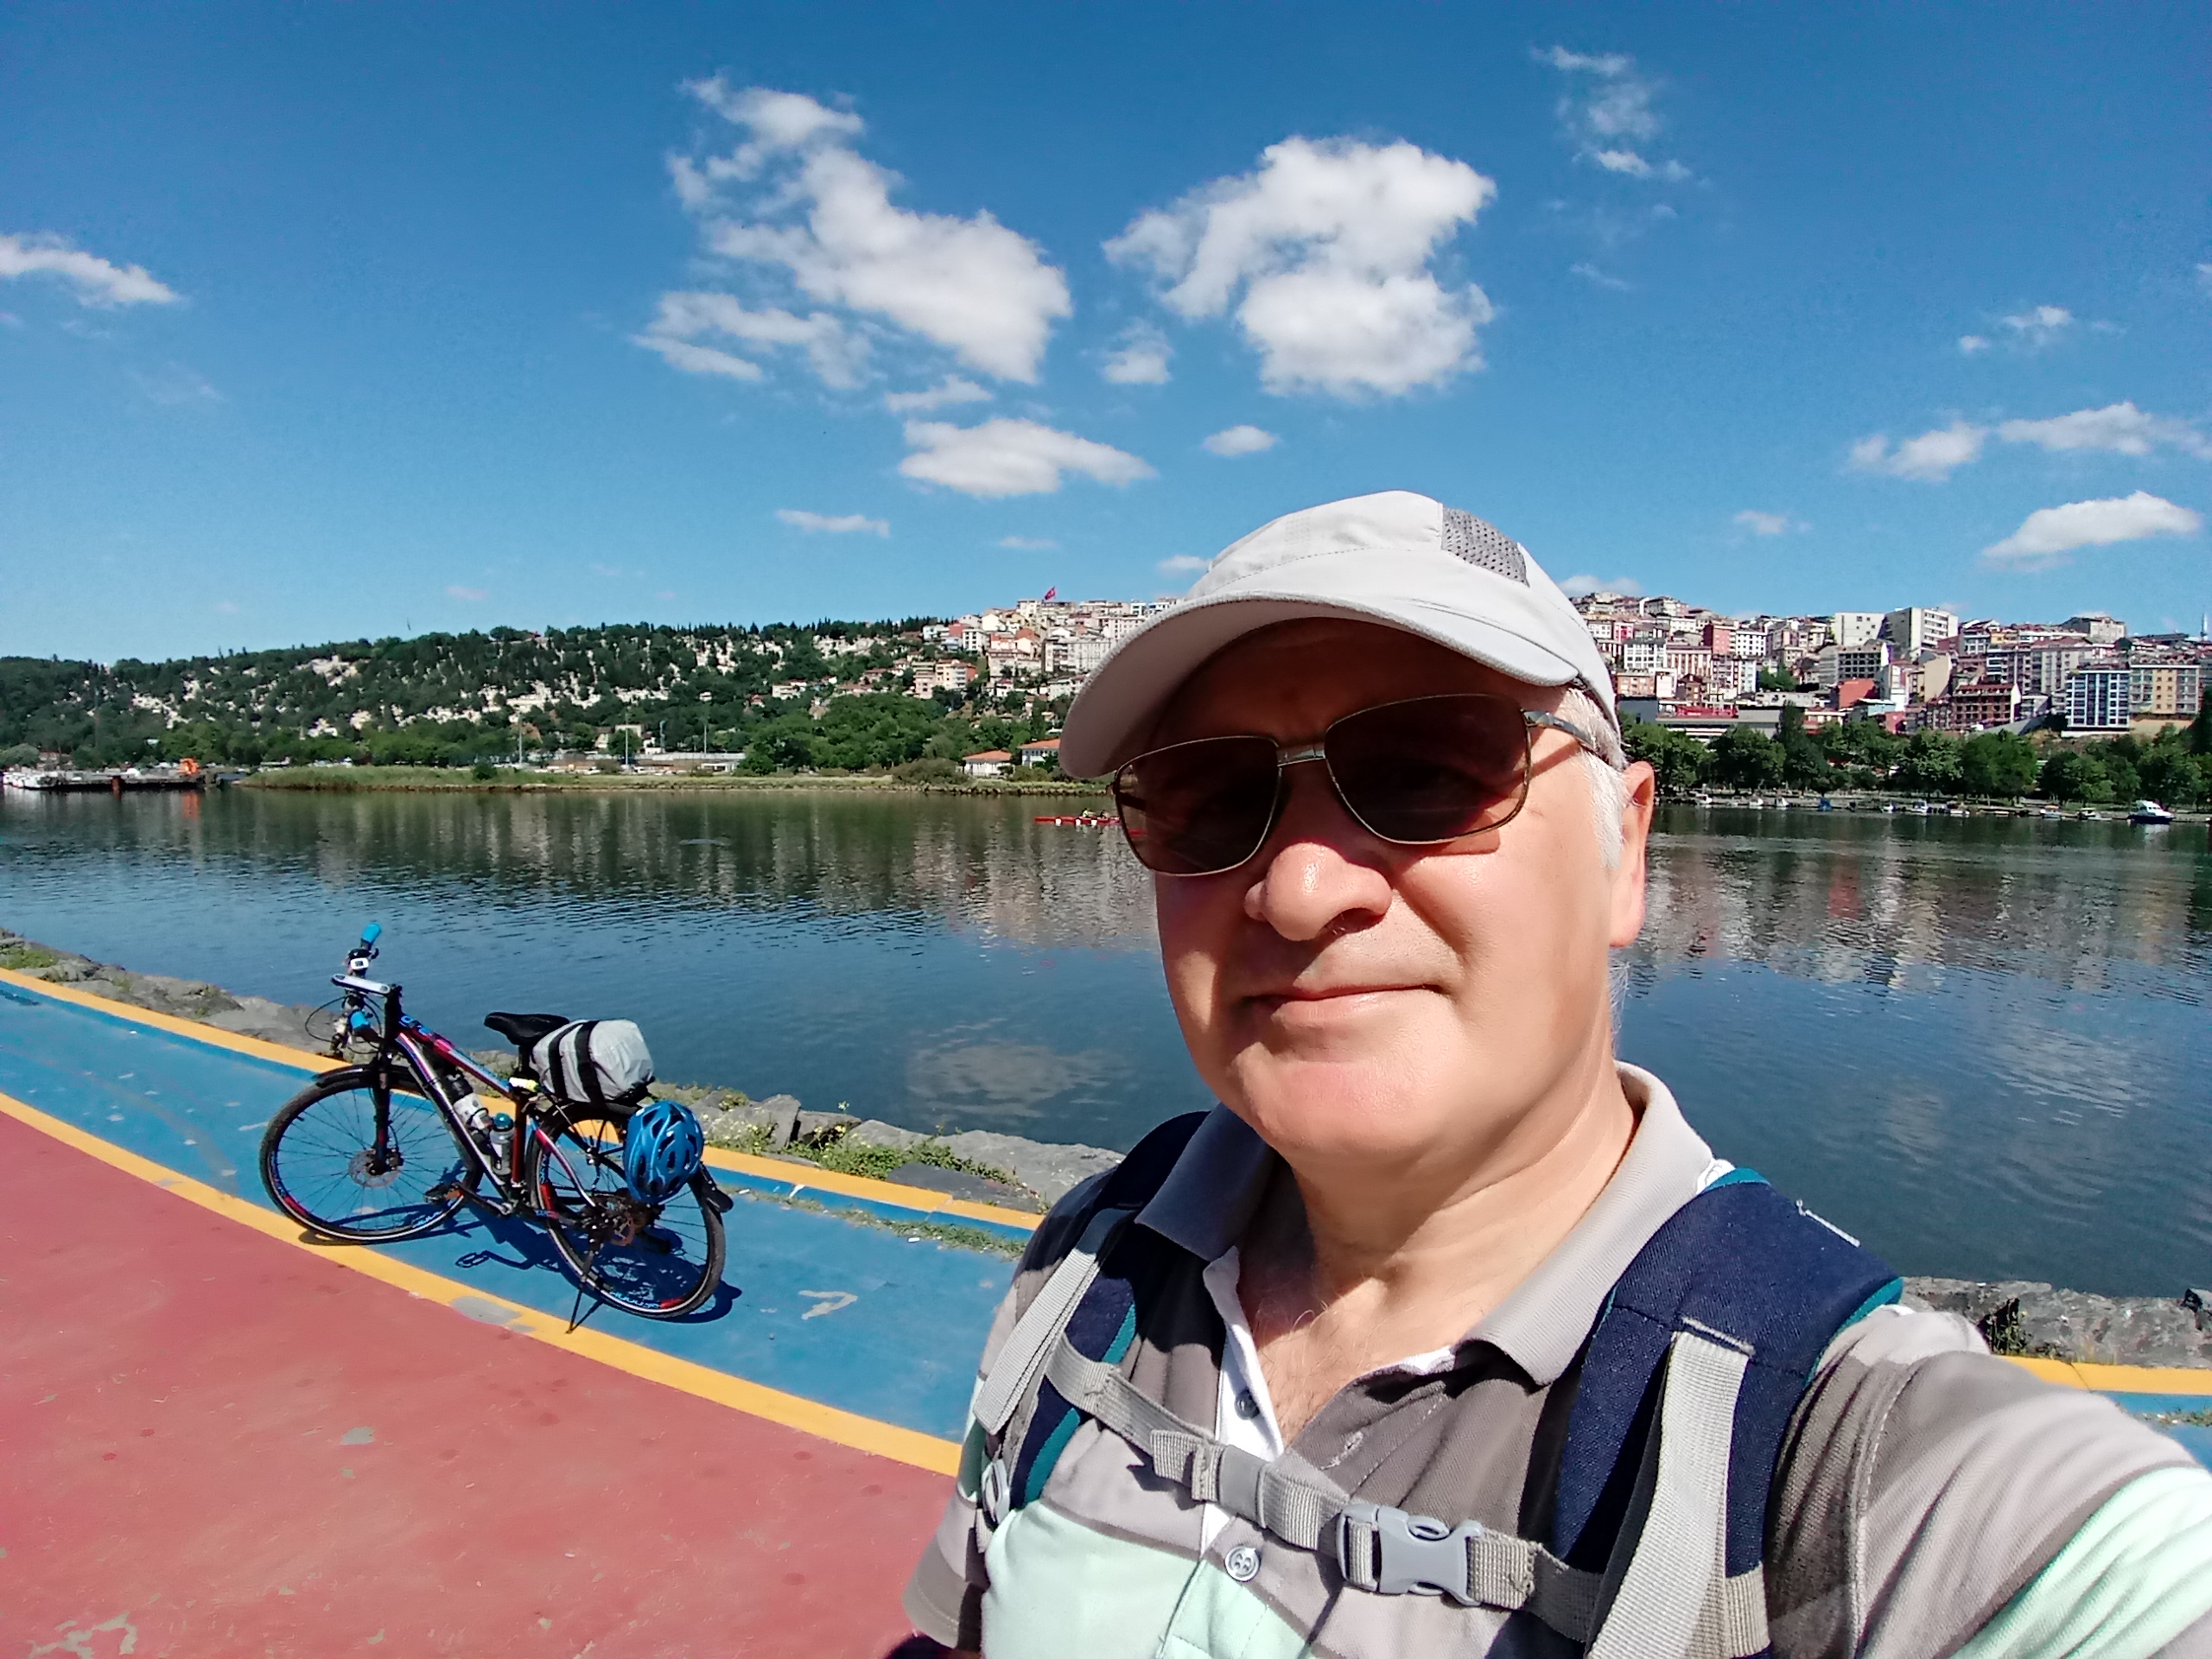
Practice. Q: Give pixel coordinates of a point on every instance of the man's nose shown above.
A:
(1318, 872)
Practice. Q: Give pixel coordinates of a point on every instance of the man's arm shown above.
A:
(1933, 1500)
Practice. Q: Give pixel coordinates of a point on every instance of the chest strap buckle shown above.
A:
(1391, 1552)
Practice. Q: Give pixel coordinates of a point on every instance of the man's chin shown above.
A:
(1347, 1110)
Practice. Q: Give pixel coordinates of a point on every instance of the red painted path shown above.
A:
(214, 1442)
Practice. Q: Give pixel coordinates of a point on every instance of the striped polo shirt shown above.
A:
(1930, 1499)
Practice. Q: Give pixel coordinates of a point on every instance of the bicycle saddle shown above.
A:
(524, 1029)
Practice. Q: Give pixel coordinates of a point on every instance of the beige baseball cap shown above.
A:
(1403, 560)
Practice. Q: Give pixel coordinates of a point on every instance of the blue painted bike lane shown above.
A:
(868, 1320)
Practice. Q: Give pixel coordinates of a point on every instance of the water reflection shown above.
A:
(1981, 1044)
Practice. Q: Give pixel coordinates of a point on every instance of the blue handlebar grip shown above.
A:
(372, 932)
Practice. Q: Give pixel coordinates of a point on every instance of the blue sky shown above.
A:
(318, 321)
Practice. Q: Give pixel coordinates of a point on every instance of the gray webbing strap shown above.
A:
(1015, 1372)
(1378, 1550)
(1661, 1610)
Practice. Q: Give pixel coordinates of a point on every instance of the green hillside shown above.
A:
(447, 699)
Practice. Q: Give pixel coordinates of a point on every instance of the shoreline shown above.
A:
(343, 780)
(2018, 1317)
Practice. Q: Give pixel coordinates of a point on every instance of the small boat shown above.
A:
(1889, 806)
(2150, 812)
(2087, 817)
(1918, 809)
(2051, 812)
(1827, 806)
(1960, 812)
(1078, 820)
(1755, 801)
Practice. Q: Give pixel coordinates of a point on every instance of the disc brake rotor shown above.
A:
(367, 1170)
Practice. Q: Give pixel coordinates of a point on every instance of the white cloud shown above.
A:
(1970, 344)
(839, 523)
(1183, 564)
(795, 202)
(1140, 359)
(1241, 441)
(176, 386)
(698, 360)
(1930, 458)
(2045, 537)
(1009, 457)
(1590, 273)
(2120, 427)
(2205, 277)
(953, 389)
(1029, 543)
(1325, 251)
(97, 281)
(1768, 524)
(2038, 327)
(1609, 113)
(835, 352)
(1575, 586)
(468, 595)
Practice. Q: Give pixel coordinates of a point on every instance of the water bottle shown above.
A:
(492, 1129)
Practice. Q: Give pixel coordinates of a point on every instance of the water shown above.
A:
(1982, 1045)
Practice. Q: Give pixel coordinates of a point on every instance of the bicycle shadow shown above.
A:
(512, 1243)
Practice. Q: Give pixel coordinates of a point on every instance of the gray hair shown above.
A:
(1602, 771)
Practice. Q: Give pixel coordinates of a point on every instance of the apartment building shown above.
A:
(2096, 697)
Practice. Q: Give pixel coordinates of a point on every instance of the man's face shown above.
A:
(1354, 1000)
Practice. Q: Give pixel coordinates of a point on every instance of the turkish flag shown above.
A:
(1049, 594)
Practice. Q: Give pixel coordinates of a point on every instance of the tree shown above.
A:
(1678, 758)
(1930, 764)
(1997, 765)
(1745, 757)
(2076, 775)
(1804, 762)
(2200, 729)
(2168, 772)
(1776, 679)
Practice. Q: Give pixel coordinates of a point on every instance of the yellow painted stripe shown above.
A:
(827, 1422)
(919, 1200)
(804, 1176)
(2118, 1379)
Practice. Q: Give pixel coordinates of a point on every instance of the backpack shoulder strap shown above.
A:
(1074, 1301)
(1686, 1388)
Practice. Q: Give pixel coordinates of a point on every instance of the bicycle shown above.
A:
(390, 1147)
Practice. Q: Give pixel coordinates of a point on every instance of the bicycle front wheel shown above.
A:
(659, 1262)
(363, 1156)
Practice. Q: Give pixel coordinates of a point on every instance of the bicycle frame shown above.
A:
(414, 1043)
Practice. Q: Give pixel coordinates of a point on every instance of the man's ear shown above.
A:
(1641, 794)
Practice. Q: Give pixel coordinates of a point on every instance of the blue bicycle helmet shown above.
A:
(663, 1147)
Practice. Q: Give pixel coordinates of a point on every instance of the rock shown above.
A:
(781, 1114)
(1048, 1171)
(875, 1133)
(959, 1184)
(499, 1062)
(272, 1022)
(189, 999)
(2027, 1317)
(813, 1125)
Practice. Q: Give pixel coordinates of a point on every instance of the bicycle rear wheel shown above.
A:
(363, 1156)
(659, 1262)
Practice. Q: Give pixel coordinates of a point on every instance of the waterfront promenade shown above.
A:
(223, 1438)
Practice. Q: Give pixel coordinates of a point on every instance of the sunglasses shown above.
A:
(1414, 773)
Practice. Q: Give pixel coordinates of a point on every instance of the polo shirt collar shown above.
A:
(1209, 1197)
(1540, 1326)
